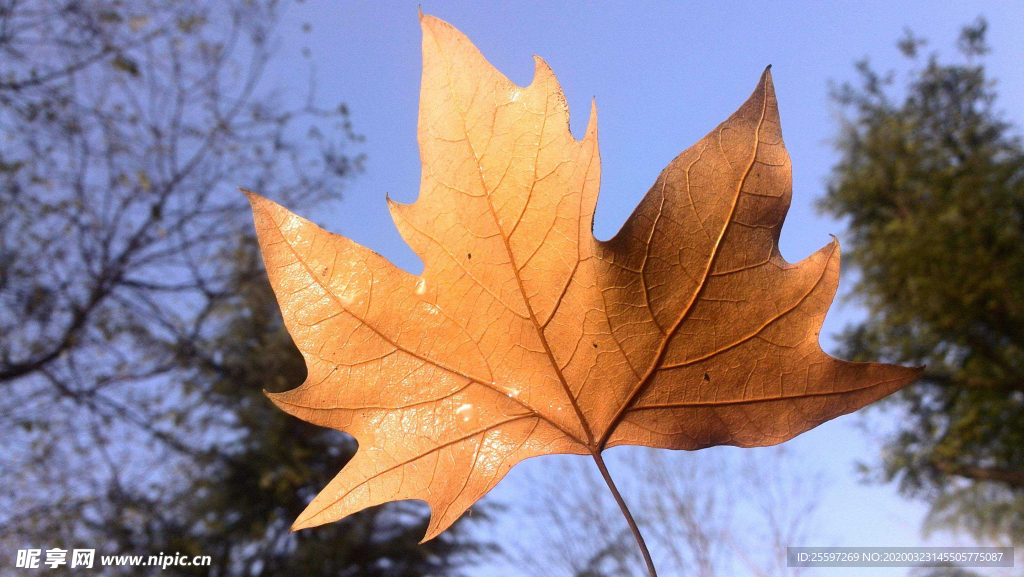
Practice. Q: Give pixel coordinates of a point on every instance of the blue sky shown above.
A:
(663, 74)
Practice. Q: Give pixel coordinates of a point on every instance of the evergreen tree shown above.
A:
(931, 184)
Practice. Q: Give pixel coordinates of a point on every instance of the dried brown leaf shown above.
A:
(525, 335)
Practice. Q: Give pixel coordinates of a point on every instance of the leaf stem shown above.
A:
(625, 512)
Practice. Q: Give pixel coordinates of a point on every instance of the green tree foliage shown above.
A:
(931, 184)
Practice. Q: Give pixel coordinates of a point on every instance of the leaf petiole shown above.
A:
(625, 512)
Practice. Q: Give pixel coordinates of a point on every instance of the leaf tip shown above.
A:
(397, 209)
(312, 516)
(543, 74)
(425, 19)
(592, 122)
(899, 376)
(280, 400)
(434, 527)
(908, 376)
(255, 200)
(540, 65)
(429, 23)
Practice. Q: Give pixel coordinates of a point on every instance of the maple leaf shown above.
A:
(527, 336)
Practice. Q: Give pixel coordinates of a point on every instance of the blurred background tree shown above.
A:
(931, 184)
(137, 330)
(708, 513)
